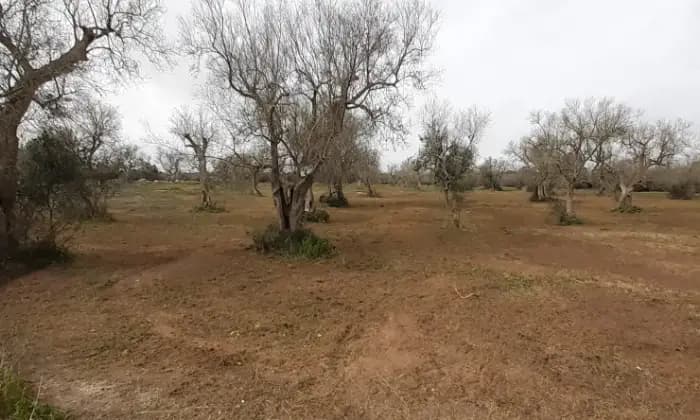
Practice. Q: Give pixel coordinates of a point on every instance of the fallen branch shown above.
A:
(470, 295)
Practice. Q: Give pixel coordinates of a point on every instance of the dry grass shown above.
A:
(166, 314)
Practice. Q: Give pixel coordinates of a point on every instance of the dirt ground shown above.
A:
(166, 315)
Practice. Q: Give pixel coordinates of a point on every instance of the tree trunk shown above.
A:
(370, 190)
(309, 203)
(570, 201)
(338, 191)
(207, 201)
(254, 183)
(446, 192)
(9, 146)
(624, 199)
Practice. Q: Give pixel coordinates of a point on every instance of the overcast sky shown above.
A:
(511, 57)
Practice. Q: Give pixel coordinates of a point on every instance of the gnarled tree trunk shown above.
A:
(289, 198)
(205, 187)
(254, 182)
(337, 192)
(370, 190)
(9, 148)
(624, 198)
(309, 203)
(569, 200)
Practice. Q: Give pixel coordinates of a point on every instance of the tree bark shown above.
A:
(254, 183)
(624, 200)
(370, 189)
(338, 191)
(570, 201)
(289, 199)
(309, 203)
(9, 148)
(207, 201)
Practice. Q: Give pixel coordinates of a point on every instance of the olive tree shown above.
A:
(642, 147)
(45, 43)
(198, 132)
(170, 161)
(297, 69)
(576, 133)
(536, 153)
(366, 167)
(448, 148)
(491, 172)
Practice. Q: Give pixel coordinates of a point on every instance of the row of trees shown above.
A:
(294, 76)
(609, 140)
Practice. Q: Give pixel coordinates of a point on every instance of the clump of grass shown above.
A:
(19, 402)
(514, 283)
(300, 243)
(317, 216)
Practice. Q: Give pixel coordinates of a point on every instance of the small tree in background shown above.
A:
(170, 162)
(575, 134)
(198, 132)
(641, 148)
(367, 167)
(536, 153)
(448, 149)
(491, 173)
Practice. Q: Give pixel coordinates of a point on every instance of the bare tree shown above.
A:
(298, 68)
(491, 172)
(42, 42)
(253, 160)
(170, 161)
(448, 148)
(642, 147)
(536, 153)
(198, 132)
(577, 133)
(343, 157)
(367, 167)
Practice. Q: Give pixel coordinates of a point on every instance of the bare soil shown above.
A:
(165, 313)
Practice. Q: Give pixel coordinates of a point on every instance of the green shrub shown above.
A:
(19, 402)
(300, 243)
(334, 200)
(317, 216)
(560, 216)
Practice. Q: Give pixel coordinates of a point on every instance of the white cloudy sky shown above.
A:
(513, 56)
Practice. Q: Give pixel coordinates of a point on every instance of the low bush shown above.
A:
(19, 402)
(560, 216)
(334, 200)
(317, 216)
(301, 243)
